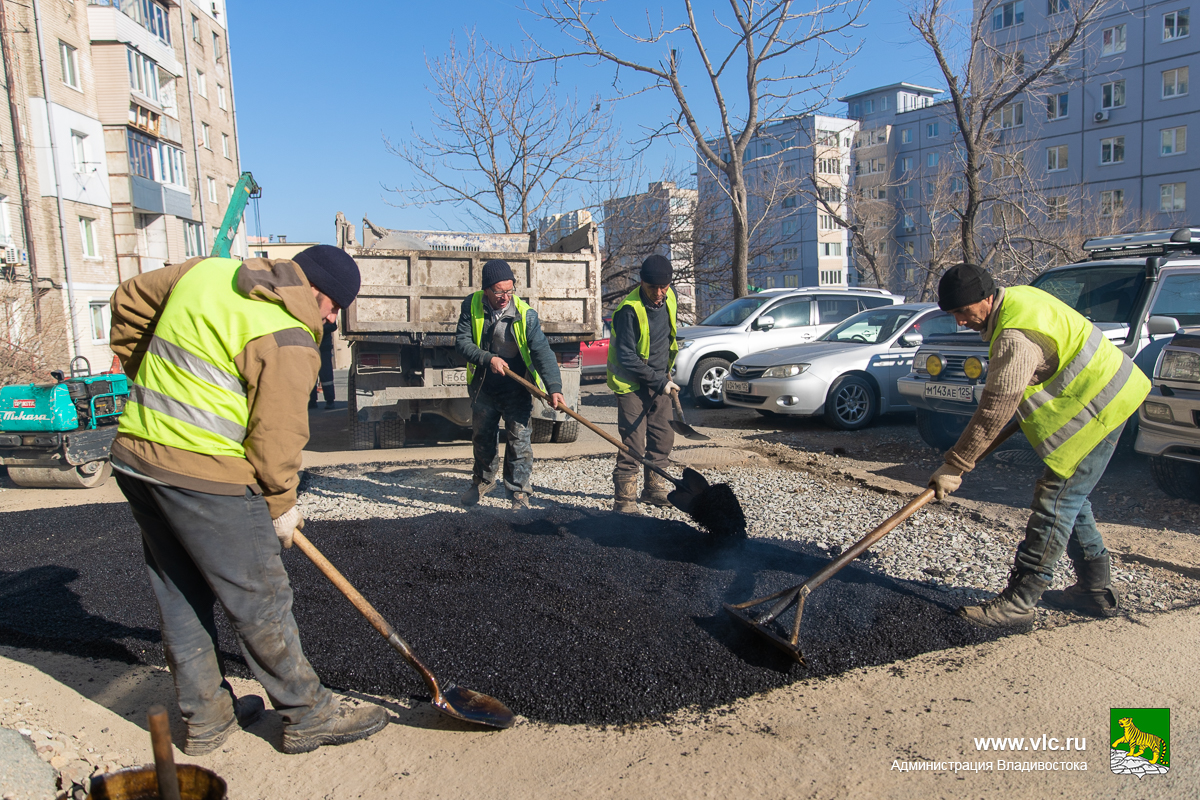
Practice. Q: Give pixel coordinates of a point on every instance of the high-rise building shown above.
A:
(556, 226)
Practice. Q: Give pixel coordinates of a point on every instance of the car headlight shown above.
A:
(934, 365)
(975, 367)
(1180, 365)
(1158, 411)
(684, 344)
(785, 371)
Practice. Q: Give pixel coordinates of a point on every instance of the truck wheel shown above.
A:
(940, 431)
(391, 434)
(566, 431)
(1176, 478)
(541, 430)
(362, 434)
(86, 476)
(851, 403)
(706, 382)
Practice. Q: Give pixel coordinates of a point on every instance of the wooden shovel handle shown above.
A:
(164, 759)
(344, 586)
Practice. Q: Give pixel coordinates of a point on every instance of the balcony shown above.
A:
(108, 23)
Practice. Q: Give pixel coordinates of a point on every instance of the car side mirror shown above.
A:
(911, 339)
(1161, 326)
(765, 322)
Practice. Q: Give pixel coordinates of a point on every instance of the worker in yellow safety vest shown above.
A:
(221, 355)
(1072, 391)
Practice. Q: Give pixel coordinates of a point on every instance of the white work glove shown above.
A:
(286, 524)
(945, 481)
(671, 387)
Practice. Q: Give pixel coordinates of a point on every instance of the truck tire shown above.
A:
(391, 434)
(1176, 478)
(940, 431)
(362, 434)
(851, 404)
(541, 430)
(707, 378)
(566, 431)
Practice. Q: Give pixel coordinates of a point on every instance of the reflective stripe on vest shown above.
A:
(187, 392)
(520, 330)
(619, 383)
(1094, 390)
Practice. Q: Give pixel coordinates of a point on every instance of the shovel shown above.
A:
(796, 595)
(453, 701)
(679, 424)
(713, 507)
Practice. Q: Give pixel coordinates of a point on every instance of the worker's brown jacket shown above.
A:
(278, 380)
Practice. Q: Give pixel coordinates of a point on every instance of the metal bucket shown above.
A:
(141, 783)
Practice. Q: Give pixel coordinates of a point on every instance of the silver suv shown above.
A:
(762, 321)
(1169, 420)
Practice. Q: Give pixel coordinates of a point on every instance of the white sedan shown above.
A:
(848, 375)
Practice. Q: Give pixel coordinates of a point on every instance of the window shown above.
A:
(193, 239)
(831, 248)
(1012, 115)
(830, 194)
(218, 53)
(931, 159)
(789, 227)
(225, 145)
(1112, 202)
(195, 29)
(835, 309)
(906, 164)
(790, 282)
(790, 254)
(883, 103)
(1006, 165)
(143, 155)
(1055, 6)
(1008, 15)
(1056, 208)
(87, 235)
(1009, 64)
(1174, 141)
(826, 222)
(1112, 150)
(908, 248)
(229, 191)
(70, 65)
(1112, 95)
(870, 104)
(789, 202)
(150, 15)
(831, 277)
(764, 148)
(931, 130)
(829, 138)
(828, 166)
(201, 84)
(98, 315)
(79, 159)
(221, 105)
(174, 171)
(212, 189)
(956, 185)
(906, 136)
(1175, 25)
(1056, 106)
(1056, 158)
(143, 74)
(910, 191)
(910, 224)
(205, 133)
(1112, 40)
(770, 282)
(1172, 197)
(1175, 82)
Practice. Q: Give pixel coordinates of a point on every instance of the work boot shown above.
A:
(476, 490)
(625, 494)
(246, 711)
(348, 724)
(1092, 593)
(1013, 607)
(520, 501)
(655, 490)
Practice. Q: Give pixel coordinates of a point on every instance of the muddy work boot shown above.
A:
(1092, 593)
(246, 711)
(348, 724)
(625, 495)
(1013, 607)
(520, 501)
(655, 490)
(476, 490)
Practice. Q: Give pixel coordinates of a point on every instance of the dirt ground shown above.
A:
(855, 734)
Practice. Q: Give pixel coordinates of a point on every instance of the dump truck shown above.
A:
(401, 327)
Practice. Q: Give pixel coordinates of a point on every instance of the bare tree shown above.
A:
(781, 61)
(504, 146)
(26, 354)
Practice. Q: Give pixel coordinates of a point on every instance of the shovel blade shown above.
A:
(788, 648)
(688, 432)
(469, 706)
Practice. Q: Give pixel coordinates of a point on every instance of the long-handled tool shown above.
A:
(679, 424)
(796, 595)
(453, 701)
(713, 507)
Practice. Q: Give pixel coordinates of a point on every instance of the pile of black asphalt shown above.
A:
(566, 615)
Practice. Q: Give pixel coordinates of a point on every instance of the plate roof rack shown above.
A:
(1148, 243)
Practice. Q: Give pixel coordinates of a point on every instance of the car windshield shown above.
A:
(871, 327)
(1102, 294)
(735, 312)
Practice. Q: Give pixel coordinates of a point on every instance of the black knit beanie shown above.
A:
(656, 270)
(962, 285)
(495, 271)
(332, 271)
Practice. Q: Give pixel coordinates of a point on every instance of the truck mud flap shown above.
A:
(85, 446)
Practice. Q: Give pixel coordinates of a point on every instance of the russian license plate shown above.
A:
(950, 391)
(452, 377)
(737, 387)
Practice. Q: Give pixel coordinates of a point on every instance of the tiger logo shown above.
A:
(1140, 741)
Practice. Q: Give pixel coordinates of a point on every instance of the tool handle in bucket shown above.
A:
(164, 759)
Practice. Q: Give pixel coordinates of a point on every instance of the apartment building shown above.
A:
(555, 226)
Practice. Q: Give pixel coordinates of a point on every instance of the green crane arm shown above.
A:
(242, 192)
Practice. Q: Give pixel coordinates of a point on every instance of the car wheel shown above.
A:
(940, 431)
(851, 403)
(1176, 478)
(706, 382)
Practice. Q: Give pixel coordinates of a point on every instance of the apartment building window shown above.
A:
(1056, 106)
(1172, 197)
(218, 53)
(828, 166)
(1056, 208)
(1057, 6)
(1012, 115)
(1056, 158)
(910, 224)
(69, 60)
(906, 136)
(790, 282)
(1175, 82)
(931, 130)
(1112, 202)
(229, 191)
(906, 164)
(789, 202)
(764, 149)
(98, 315)
(770, 282)
(201, 83)
(932, 159)
(1175, 25)
(788, 142)
(826, 222)
(829, 138)
(910, 191)
(830, 194)
(880, 193)
(193, 239)
(870, 105)
(789, 254)
(1112, 95)
(195, 29)
(87, 235)
(1112, 40)
(1174, 141)
(225, 145)
(143, 155)
(205, 134)
(174, 169)
(1007, 165)
(831, 277)
(1112, 150)
(956, 185)
(1007, 15)
(143, 74)
(831, 248)
(79, 159)
(212, 189)
(883, 103)
(221, 101)
(909, 249)
(789, 227)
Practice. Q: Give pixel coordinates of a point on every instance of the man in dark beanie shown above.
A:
(1072, 391)
(496, 331)
(222, 355)
(641, 356)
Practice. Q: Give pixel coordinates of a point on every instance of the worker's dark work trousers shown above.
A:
(644, 422)
(1062, 515)
(495, 398)
(201, 548)
(325, 375)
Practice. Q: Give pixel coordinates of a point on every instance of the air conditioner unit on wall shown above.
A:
(1101, 116)
(11, 255)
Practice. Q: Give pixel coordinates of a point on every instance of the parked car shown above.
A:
(848, 375)
(594, 354)
(1168, 420)
(762, 321)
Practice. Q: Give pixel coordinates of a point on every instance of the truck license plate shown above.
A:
(949, 391)
(454, 377)
(737, 387)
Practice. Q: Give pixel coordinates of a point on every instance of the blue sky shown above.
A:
(318, 86)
